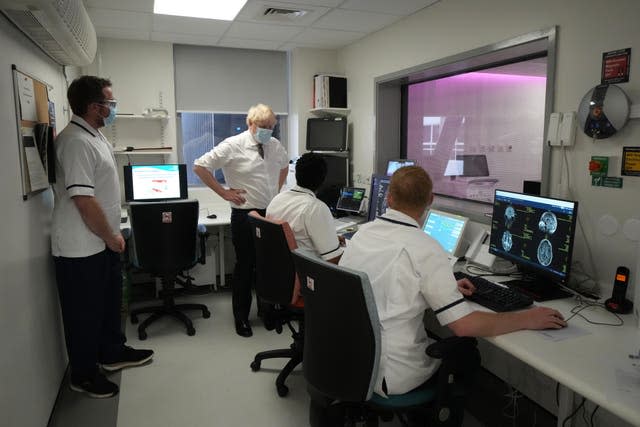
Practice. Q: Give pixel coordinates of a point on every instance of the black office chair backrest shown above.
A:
(164, 235)
(275, 272)
(342, 330)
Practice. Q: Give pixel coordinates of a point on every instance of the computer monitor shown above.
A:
(535, 233)
(447, 229)
(327, 134)
(378, 196)
(144, 183)
(337, 177)
(395, 164)
(351, 199)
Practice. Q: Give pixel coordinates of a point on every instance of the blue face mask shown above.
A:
(263, 135)
(111, 117)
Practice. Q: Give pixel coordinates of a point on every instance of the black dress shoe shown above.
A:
(243, 328)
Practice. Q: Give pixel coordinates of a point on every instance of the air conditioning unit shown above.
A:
(61, 28)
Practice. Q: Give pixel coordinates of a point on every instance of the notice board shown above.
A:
(35, 119)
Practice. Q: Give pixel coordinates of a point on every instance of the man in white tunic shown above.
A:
(409, 273)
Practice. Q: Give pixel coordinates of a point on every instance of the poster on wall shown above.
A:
(616, 65)
(630, 161)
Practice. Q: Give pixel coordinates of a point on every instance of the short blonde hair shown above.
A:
(261, 114)
(411, 188)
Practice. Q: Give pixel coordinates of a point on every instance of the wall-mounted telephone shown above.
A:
(478, 252)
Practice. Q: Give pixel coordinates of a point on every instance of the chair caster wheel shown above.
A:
(255, 366)
(134, 319)
(206, 314)
(283, 390)
(191, 332)
(142, 336)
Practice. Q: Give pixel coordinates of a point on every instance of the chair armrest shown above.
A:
(451, 347)
(460, 361)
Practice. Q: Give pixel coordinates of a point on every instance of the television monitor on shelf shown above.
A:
(395, 164)
(351, 199)
(327, 134)
(337, 177)
(536, 233)
(447, 229)
(145, 183)
(378, 196)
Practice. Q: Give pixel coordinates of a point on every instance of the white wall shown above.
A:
(142, 77)
(451, 27)
(33, 357)
(304, 63)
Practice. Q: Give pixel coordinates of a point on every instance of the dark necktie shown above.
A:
(261, 150)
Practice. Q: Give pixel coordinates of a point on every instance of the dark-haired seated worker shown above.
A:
(309, 217)
(410, 273)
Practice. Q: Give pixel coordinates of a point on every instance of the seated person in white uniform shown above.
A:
(409, 273)
(309, 218)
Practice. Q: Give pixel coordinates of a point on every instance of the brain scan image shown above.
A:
(507, 241)
(548, 223)
(509, 216)
(545, 252)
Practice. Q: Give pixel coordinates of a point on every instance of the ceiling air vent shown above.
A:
(287, 13)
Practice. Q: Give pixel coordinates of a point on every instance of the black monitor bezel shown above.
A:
(341, 146)
(534, 268)
(371, 213)
(399, 160)
(364, 190)
(128, 183)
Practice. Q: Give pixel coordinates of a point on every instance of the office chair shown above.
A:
(164, 241)
(276, 285)
(342, 353)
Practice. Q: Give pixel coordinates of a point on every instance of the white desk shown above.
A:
(223, 218)
(583, 366)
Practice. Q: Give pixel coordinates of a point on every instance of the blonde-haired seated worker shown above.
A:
(309, 217)
(255, 166)
(409, 273)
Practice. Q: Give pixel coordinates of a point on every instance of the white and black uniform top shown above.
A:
(85, 166)
(409, 273)
(244, 168)
(310, 220)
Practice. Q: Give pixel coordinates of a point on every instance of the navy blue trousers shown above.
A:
(90, 290)
(244, 271)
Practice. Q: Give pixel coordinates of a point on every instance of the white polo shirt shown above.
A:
(85, 166)
(309, 219)
(243, 167)
(409, 273)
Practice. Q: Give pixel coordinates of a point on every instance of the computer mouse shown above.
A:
(350, 229)
(212, 216)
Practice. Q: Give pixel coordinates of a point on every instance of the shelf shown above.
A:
(139, 117)
(330, 112)
(143, 152)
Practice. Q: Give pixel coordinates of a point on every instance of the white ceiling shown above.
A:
(328, 24)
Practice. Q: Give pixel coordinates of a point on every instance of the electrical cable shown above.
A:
(586, 304)
(571, 415)
(584, 236)
(593, 414)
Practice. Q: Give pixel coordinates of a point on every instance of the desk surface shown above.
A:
(222, 212)
(588, 364)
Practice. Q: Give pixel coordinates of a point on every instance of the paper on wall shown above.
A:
(27, 98)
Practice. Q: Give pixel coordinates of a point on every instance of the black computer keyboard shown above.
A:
(494, 296)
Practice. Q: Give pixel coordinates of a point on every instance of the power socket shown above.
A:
(552, 130)
(567, 130)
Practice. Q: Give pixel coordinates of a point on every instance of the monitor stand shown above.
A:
(537, 288)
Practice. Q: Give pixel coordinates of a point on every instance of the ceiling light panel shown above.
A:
(225, 10)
